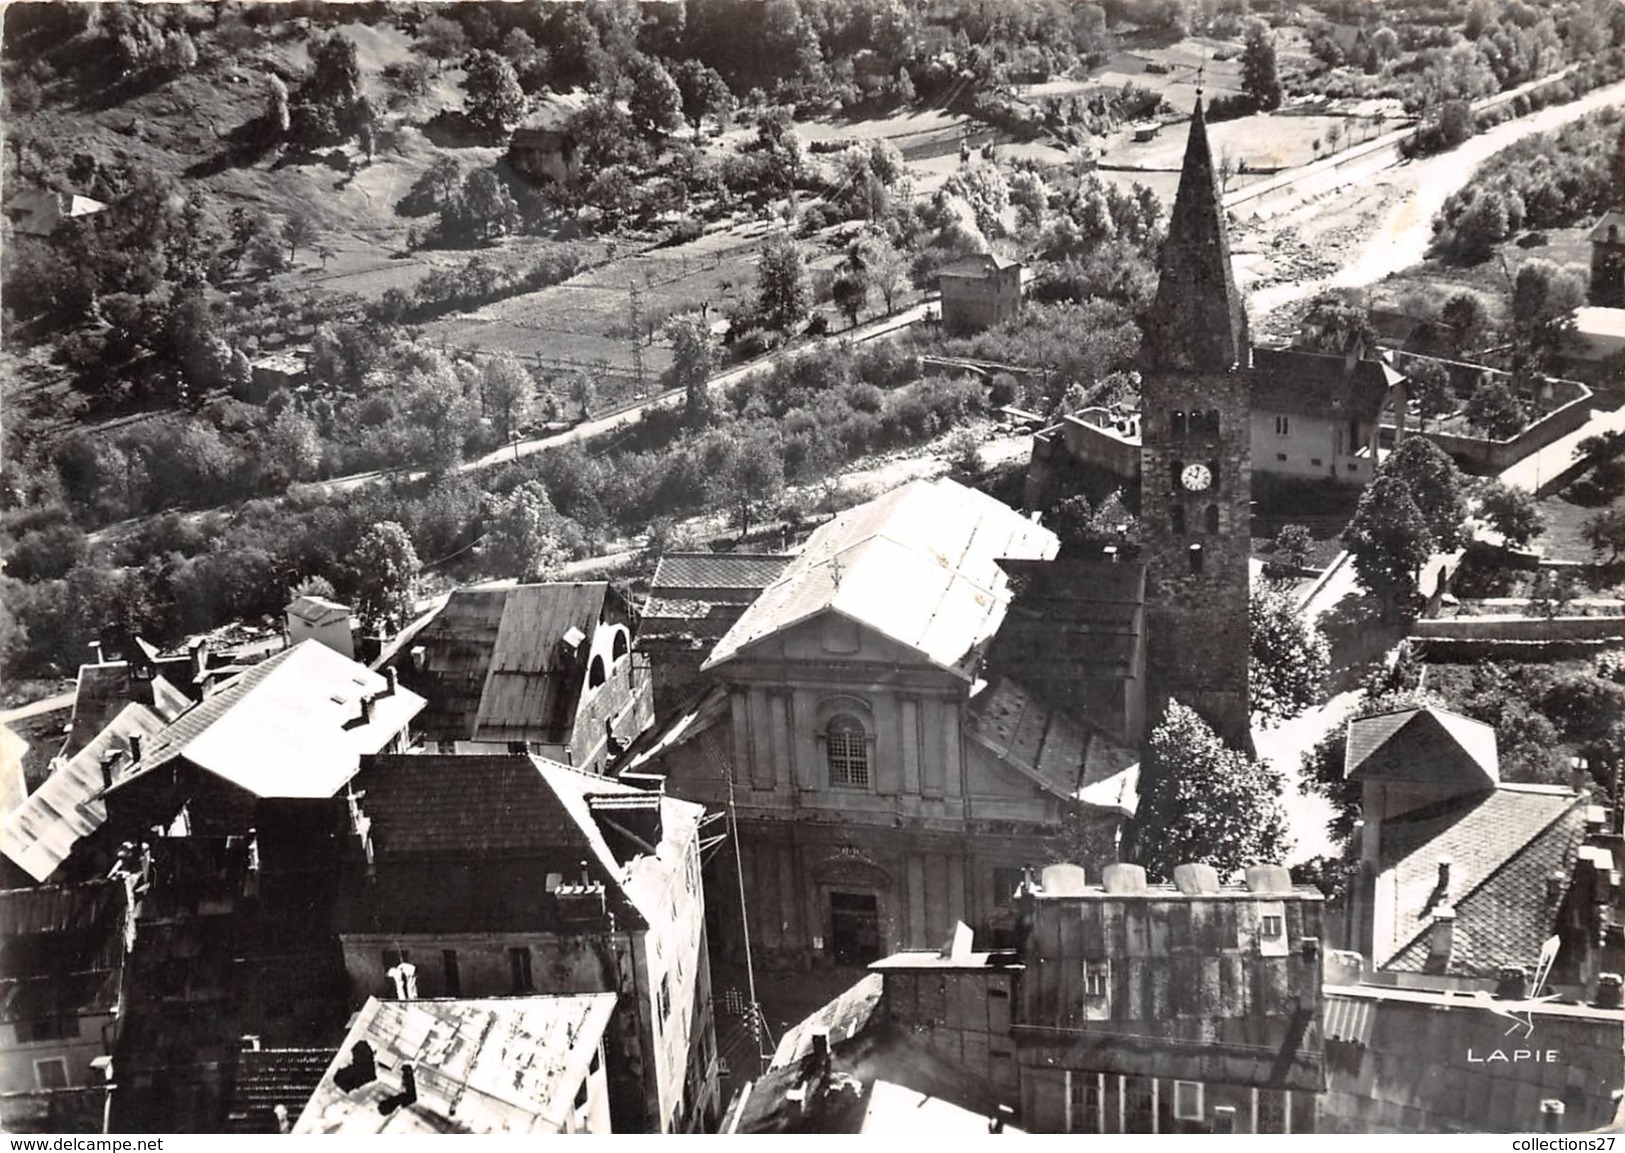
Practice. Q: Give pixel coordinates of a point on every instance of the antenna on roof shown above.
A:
(1201, 72)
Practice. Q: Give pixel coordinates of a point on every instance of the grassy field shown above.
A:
(1564, 520)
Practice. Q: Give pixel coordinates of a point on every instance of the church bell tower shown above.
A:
(1195, 461)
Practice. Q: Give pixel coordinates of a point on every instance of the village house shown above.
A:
(1607, 241)
(979, 291)
(61, 955)
(322, 620)
(889, 781)
(1191, 1007)
(1460, 875)
(40, 211)
(485, 876)
(543, 148)
(513, 1065)
(547, 669)
(694, 599)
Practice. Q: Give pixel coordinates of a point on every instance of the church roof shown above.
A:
(1199, 321)
(918, 565)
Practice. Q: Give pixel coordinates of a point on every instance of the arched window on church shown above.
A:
(1213, 421)
(1195, 555)
(1176, 517)
(595, 673)
(846, 745)
(1212, 518)
(1176, 423)
(1175, 468)
(1213, 471)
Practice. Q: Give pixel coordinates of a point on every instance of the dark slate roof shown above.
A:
(1429, 746)
(1294, 380)
(977, 265)
(493, 668)
(60, 949)
(1071, 619)
(1199, 321)
(714, 576)
(692, 719)
(481, 843)
(1061, 754)
(1502, 845)
(1599, 234)
(267, 1078)
(102, 692)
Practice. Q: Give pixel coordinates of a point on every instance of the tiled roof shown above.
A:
(684, 724)
(1502, 845)
(470, 842)
(60, 947)
(102, 690)
(1063, 755)
(267, 1078)
(41, 834)
(978, 264)
(493, 668)
(850, 1013)
(917, 565)
(1430, 746)
(286, 727)
(510, 1065)
(1293, 380)
(715, 573)
(1599, 234)
(1071, 619)
(317, 610)
(13, 782)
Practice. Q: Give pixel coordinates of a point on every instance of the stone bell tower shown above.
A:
(1196, 467)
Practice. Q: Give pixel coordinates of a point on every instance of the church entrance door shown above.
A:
(854, 928)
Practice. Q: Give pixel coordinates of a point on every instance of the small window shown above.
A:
(1213, 421)
(581, 1095)
(1096, 978)
(1006, 880)
(1272, 927)
(51, 1073)
(1282, 426)
(1175, 469)
(1281, 456)
(1187, 1101)
(619, 649)
(446, 748)
(519, 970)
(519, 748)
(1176, 423)
(847, 748)
(1213, 472)
(1315, 460)
(595, 673)
(665, 997)
(453, 976)
(64, 1028)
(1212, 518)
(1353, 467)
(1195, 554)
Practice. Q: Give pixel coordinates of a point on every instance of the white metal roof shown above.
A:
(918, 565)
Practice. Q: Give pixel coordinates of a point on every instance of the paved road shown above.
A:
(1547, 465)
(48, 705)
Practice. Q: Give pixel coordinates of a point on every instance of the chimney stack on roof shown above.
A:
(1196, 880)
(392, 681)
(199, 650)
(1441, 939)
(1512, 983)
(135, 748)
(1610, 991)
(109, 760)
(1444, 878)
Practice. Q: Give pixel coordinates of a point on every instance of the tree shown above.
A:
(1469, 322)
(1332, 324)
(755, 477)
(1512, 512)
(1289, 657)
(1258, 73)
(703, 93)
(1202, 802)
(1436, 485)
(1605, 533)
(491, 208)
(299, 232)
(1544, 297)
(693, 360)
(1030, 195)
(1292, 545)
(1495, 409)
(334, 84)
(507, 392)
(523, 536)
(983, 187)
(492, 98)
(656, 104)
(385, 572)
(582, 392)
(1389, 542)
(784, 296)
(441, 40)
(885, 267)
(265, 244)
(851, 292)
(1430, 387)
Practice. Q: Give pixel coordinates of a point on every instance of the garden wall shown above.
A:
(1521, 628)
(1485, 455)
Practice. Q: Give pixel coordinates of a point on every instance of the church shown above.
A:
(929, 699)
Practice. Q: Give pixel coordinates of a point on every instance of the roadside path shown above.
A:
(1547, 466)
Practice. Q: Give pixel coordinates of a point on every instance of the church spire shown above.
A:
(1199, 321)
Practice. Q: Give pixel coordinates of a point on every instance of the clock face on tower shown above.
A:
(1196, 478)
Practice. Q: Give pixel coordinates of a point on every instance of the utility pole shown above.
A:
(637, 335)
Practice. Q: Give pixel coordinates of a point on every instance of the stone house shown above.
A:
(541, 668)
(979, 291)
(492, 876)
(1607, 241)
(311, 617)
(888, 779)
(1317, 415)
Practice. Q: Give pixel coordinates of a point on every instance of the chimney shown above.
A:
(1444, 879)
(1551, 1116)
(109, 759)
(405, 978)
(283, 1124)
(135, 748)
(392, 681)
(1441, 938)
(1610, 991)
(1512, 983)
(1224, 1119)
(199, 650)
(1556, 882)
(419, 656)
(366, 709)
